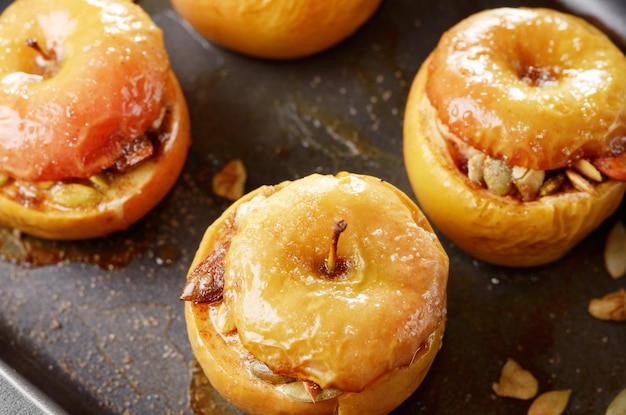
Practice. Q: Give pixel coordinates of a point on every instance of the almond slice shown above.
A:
(580, 183)
(550, 403)
(618, 404)
(615, 250)
(584, 167)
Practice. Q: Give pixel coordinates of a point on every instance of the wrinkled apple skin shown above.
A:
(498, 230)
(222, 357)
(72, 116)
(276, 29)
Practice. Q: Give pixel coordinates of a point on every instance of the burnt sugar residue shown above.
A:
(111, 252)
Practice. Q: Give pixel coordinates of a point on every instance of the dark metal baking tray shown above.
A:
(97, 327)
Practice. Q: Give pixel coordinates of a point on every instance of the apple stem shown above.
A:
(331, 261)
(47, 55)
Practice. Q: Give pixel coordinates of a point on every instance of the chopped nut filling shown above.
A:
(517, 181)
(75, 193)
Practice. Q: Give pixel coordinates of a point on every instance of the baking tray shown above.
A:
(96, 327)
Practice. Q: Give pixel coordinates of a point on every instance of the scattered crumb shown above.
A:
(610, 307)
(230, 181)
(516, 382)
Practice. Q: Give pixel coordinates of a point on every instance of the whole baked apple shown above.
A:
(276, 29)
(94, 127)
(323, 295)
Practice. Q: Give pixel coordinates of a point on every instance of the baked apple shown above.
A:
(325, 295)
(514, 134)
(94, 128)
(276, 29)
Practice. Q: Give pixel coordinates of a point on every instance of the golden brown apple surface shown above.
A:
(276, 29)
(94, 126)
(359, 339)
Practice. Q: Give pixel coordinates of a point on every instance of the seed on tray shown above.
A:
(550, 403)
(618, 404)
(615, 250)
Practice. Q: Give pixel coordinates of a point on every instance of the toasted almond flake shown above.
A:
(580, 183)
(550, 403)
(516, 382)
(610, 307)
(618, 404)
(229, 182)
(615, 250)
(584, 167)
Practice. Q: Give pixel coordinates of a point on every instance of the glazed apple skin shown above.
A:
(223, 356)
(128, 198)
(498, 230)
(223, 362)
(71, 116)
(276, 29)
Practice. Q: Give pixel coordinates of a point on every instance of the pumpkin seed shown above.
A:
(74, 195)
(4, 179)
(618, 404)
(298, 392)
(550, 403)
(99, 181)
(263, 372)
(497, 176)
(552, 185)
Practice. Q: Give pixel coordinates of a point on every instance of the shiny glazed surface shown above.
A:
(125, 199)
(390, 298)
(318, 325)
(499, 230)
(102, 330)
(72, 115)
(534, 87)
